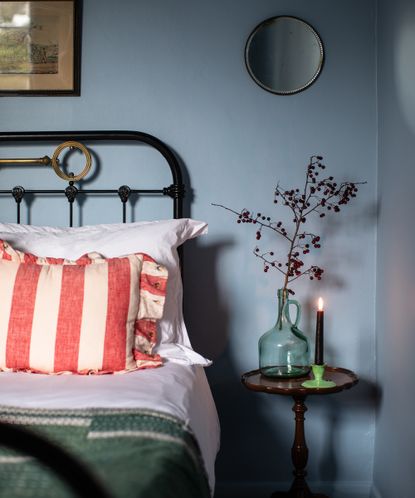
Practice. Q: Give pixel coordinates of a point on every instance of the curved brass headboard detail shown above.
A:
(71, 145)
(46, 161)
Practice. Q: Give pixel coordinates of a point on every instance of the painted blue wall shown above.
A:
(176, 70)
(395, 453)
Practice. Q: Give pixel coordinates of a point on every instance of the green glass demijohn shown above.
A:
(284, 350)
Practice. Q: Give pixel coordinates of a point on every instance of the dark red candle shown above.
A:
(319, 352)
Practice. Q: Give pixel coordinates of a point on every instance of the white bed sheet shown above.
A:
(180, 390)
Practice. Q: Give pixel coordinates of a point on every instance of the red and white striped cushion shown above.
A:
(92, 315)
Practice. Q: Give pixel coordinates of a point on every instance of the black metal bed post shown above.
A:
(124, 193)
(18, 194)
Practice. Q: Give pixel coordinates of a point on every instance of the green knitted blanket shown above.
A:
(133, 453)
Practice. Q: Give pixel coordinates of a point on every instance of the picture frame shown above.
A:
(40, 48)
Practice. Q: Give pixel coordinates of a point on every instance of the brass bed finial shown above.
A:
(46, 161)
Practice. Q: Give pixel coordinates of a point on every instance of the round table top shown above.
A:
(255, 381)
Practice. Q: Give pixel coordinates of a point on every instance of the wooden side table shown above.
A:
(255, 381)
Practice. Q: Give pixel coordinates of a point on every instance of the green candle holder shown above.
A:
(318, 381)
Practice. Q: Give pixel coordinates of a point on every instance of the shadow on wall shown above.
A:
(207, 316)
(243, 426)
(206, 311)
(253, 449)
(256, 429)
(404, 69)
(363, 399)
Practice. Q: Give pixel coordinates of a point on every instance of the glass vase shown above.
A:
(284, 350)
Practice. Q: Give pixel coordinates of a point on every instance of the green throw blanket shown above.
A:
(133, 453)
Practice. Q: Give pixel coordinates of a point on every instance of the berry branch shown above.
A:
(319, 195)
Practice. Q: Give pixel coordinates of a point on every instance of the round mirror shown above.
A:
(284, 55)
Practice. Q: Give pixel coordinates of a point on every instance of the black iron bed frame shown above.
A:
(72, 472)
(175, 190)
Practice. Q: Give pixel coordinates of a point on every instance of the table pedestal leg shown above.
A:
(299, 456)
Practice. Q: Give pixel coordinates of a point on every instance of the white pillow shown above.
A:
(159, 239)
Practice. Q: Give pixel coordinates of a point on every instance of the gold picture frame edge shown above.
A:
(75, 91)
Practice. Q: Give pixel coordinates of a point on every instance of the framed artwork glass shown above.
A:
(40, 47)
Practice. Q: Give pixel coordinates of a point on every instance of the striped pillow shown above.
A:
(92, 315)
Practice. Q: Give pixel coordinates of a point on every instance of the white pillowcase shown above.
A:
(159, 239)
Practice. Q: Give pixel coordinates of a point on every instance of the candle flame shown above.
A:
(320, 304)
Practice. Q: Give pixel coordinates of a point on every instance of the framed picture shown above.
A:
(40, 47)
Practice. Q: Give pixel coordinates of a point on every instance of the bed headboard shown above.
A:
(82, 140)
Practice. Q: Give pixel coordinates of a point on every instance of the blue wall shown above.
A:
(395, 453)
(176, 70)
